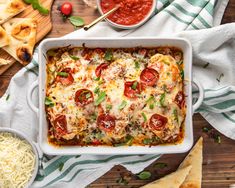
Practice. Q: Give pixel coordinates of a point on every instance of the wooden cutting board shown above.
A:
(44, 25)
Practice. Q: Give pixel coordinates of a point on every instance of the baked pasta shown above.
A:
(115, 97)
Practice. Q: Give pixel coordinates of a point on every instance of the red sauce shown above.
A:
(130, 12)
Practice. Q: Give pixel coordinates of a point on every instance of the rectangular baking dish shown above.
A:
(47, 44)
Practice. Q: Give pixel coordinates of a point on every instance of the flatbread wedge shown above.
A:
(22, 33)
(4, 39)
(194, 158)
(173, 180)
(10, 8)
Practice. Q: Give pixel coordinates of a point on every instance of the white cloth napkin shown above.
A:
(174, 18)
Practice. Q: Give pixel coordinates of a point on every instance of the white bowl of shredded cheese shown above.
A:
(18, 159)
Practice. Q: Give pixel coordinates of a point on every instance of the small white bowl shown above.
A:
(24, 137)
(128, 26)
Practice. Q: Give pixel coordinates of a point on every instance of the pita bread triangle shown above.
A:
(22, 33)
(4, 39)
(194, 158)
(173, 180)
(10, 8)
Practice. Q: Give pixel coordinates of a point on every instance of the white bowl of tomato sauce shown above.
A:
(131, 13)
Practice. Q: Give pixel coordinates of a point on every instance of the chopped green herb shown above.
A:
(100, 82)
(76, 21)
(217, 139)
(128, 141)
(51, 53)
(88, 95)
(206, 65)
(49, 102)
(162, 99)
(144, 175)
(182, 73)
(97, 90)
(180, 62)
(74, 57)
(8, 96)
(122, 181)
(93, 116)
(101, 98)
(61, 165)
(134, 85)
(206, 129)
(96, 78)
(220, 76)
(160, 165)
(151, 106)
(175, 114)
(37, 6)
(122, 105)
(108, 55)
(62, 74)
(144, 116)
(147, 141)
(109, 107)
(137, 65)
(150, 99)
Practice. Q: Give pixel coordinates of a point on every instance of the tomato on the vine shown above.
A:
(66, 8)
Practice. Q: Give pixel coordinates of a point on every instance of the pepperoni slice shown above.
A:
(106, 122)
(157, 122)
(65, 80)
(100, 68)
(60, 126)
(132, 89)
(149, 77)
(180, 99)
(83, 97)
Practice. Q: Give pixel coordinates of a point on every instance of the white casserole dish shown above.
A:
(183, 44)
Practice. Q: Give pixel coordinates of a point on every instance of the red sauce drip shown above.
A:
(130, 12)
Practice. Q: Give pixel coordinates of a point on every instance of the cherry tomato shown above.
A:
(106, 122)
(83, 97)
(66, 8)
(60, 126)
(100, 68)
(96, 142)
(132, 89)
(149, 77)
(66, 79)
(180, 99)
(157, 122)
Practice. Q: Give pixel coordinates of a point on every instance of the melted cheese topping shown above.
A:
(132, 115)
(17, 161)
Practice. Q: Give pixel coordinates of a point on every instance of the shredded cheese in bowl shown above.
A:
(17, 161)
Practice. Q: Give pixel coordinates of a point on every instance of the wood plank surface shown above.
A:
(219, 159)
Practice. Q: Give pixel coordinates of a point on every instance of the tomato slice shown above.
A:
(83, 97)
(65, 80)
(106, 122)
(60, 126)
(180, 99)
(149, 77)
(132, 89)
(157, 122)
(100, 68)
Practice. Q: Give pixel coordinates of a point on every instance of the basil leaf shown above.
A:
(74, 57)
(108, 55)
(76, 21)
(144, 116)
(49, 102)
(134, 85)
(109, 107)
(122, 105)
(160, 165)
(101, 98)
(162, 99)
(144, 175)
(63, 74)
(37, 6)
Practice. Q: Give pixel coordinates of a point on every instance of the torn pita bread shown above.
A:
(10, 8)
(173, 180)
(4, 39)
(194, 158)
(22, 33)
(4, 62)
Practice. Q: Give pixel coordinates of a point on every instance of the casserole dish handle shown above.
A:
(201, 94)
(29, 96)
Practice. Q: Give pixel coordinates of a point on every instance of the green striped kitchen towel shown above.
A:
(213, 51)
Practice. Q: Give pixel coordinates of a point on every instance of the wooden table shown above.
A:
(219, 159)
